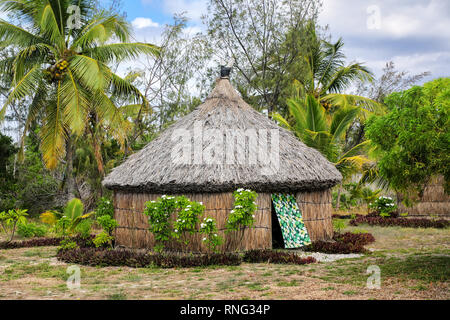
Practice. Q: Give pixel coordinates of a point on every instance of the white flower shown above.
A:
(202, 225)
(215, 234)
(253, 216)
(186, 209)
(188, 206)
(201, 203)
(240, 190)
(184, 221)
(204, 239)
(209, 220)
(248, 190)
(239, 207)
(176, 230)
(163, 196)
(232, 211)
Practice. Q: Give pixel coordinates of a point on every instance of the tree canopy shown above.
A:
(413, 140)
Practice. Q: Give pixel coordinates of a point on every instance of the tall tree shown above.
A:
(413, 139)
(61, 65)
(265, 38)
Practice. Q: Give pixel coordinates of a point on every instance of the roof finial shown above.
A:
(226, 70)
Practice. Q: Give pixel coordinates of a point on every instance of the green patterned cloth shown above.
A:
(294, 230)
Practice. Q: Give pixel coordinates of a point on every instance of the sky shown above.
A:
(415, 34)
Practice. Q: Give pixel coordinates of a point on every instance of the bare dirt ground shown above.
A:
(414, 264)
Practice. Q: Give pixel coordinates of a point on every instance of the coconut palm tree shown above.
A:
(63, 52)
(328, 76)
(326, 133)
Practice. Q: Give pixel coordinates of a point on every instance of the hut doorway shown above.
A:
(277, 234)
(290, 220)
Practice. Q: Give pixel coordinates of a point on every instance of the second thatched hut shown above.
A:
(221, 146)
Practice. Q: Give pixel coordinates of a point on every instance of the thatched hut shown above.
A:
(434, 201)
(210, 153)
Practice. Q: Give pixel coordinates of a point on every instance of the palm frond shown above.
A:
(91, 73)
(346, 100)
(101, 30)
(53, 132)
(121, 51)
(281, 121)
(26, 86)
(75, 103)
(16, 36)
(341, 120)
(48, 24)
(344, 77)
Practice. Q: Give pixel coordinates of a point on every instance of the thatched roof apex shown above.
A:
(161, 168)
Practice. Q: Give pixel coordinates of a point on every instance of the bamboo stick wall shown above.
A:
(133, 224)
(132, 231)
(433, 202)
(317, 210)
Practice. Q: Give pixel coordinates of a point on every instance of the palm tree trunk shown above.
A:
(70, 181)
(98, 156)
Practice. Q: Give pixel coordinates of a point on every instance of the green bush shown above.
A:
(30, 230)
(105, 207)
(83, 229)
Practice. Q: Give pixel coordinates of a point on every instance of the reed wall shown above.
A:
(434, 201)
(133, 224)
(316, 208)
(132, 231)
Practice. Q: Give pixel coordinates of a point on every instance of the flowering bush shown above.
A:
(187, 219)
(209, 228)
(384, 206)
(243, 214)
(104, 207)
(160, 211)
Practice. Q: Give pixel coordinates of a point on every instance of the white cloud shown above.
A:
(141, 23)
(399, 18)
(415, 34)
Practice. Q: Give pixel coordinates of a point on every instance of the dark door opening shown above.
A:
(277, 235)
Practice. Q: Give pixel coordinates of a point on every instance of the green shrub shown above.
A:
(243, 214)
(107, 223)
(209, 228)
(67, 244)
(30, 230)
(83, 229)
(384, 206)
(103, 239)
(105, 207)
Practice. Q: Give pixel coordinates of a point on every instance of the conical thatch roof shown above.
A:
(157, 168)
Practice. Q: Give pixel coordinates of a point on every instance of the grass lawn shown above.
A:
(414, 263)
